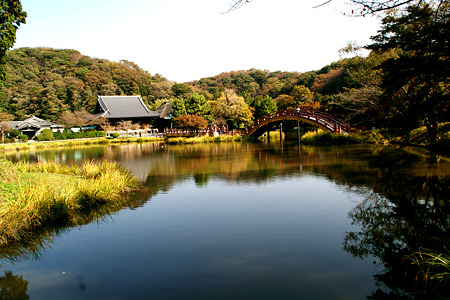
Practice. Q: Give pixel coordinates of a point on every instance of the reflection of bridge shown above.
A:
(322, 120)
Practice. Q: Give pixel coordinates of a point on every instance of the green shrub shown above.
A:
(13, 133)
(46, 135)
(68, 135)
(373, 137)
(114, 135)
(23, 137)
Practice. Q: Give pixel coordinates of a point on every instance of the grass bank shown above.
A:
(77, 143)
(328, 138)
(203, 139)
(415, 138)
(36, 195)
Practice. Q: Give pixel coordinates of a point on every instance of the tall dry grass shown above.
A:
(59, 198)
(202, 139)
(76, 143)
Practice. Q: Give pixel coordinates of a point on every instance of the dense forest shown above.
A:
(46, 82)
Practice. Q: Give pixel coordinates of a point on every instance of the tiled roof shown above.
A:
(31, 122)
(165, 109)
(124, 107)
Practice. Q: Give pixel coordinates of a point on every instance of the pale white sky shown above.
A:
(185, 40)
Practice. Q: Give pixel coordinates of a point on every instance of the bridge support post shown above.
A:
(298, 131)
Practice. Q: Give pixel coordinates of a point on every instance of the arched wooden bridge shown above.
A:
(324, 121)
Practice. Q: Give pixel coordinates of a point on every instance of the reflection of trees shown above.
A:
(13, 287)
(401, 216)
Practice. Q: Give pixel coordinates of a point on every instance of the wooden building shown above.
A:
(132, 108)
(33, 126)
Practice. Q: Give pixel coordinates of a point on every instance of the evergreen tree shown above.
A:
(197, 104)
(11, 17)
(265, 106)
(416, 83)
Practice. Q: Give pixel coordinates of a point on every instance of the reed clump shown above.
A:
(433, 265)
(202, 139)
(8, 172)
(48, 193)
(328, 138)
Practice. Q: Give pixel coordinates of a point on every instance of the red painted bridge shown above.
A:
(324, 121)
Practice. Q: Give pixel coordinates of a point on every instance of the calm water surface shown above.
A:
(242, 221)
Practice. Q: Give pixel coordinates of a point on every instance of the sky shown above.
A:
(186, 40)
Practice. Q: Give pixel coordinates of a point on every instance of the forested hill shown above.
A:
(326, 81)
(46, 82)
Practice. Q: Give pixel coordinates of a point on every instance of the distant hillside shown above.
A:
(329, 80)
(46, 82)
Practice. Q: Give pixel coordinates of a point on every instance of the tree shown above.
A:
(197, 104)
(265, 106)
(304, 98)
(233, 108)
(359, 103)
(416, 83)
(159, 90)
(178, 107)
(125, 125)
(68, 119)
(181, 89)
(3, 126)
(11, 17)
(192, 122)
(80, 118)
(285, 102)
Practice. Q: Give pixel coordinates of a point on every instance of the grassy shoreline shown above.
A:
(37, 195)
(415, 138)
(117, 141)
(76, 143)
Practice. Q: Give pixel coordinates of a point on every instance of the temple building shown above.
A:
(132, 108)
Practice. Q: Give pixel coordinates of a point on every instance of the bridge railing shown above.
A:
(330, 122)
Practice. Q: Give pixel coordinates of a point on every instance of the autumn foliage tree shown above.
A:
(80, 118)
(191, 122)
(233, 109)
(285, 102)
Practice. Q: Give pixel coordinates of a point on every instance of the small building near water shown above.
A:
(132, 108)
(33, 126)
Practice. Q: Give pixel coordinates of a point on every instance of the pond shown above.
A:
(244, 221)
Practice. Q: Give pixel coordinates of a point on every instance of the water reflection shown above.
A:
(405, 207)
(400, 216)
(33, 245)
(13, 287)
